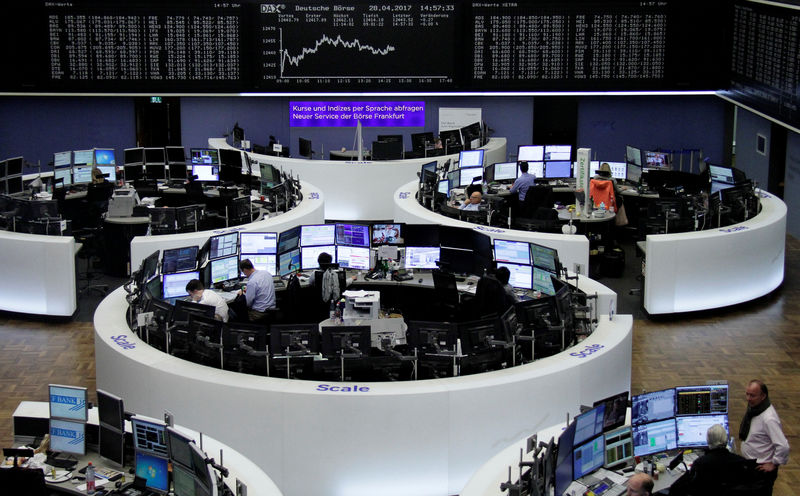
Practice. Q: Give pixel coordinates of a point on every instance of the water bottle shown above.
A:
(90, 479)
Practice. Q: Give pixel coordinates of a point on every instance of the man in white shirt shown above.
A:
(198, 294)
(761, 433)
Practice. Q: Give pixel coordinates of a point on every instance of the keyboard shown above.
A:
(60, 462)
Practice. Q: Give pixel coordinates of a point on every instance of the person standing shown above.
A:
(761, 433)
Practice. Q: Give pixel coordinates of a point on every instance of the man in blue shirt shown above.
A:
(523, 182)
(473, 202)
(259, 292)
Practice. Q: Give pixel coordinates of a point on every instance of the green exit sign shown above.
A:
(155, 99)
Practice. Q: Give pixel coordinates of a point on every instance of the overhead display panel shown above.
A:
(317, 46)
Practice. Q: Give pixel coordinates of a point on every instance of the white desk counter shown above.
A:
(572, 248)
(308, 211)
(361, 190)
(700, 270)
(403, 438)
(38, 274)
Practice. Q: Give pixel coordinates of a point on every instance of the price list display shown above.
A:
(357, 45)
(164, 47)
(535, 44)
(765, 68)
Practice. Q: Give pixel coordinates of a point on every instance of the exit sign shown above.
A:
(155, 99)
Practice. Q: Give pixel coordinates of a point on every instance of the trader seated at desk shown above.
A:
(523, 182)
(473, 202)
(259, 292)
(198, 294)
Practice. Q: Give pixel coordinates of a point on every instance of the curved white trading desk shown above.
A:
(572, 248)
(38, 274)
(701, 270)
(360, 190)
(308, 211)
(421, 438)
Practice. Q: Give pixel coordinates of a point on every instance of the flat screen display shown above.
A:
(154, 470)
(468, 175)
(470, 158)
(544, 257)
(224, 269)
(558, 169)
(387, 234)
(619, 170)
(133, 156)
(543, 281)
(589, 424)
(634, 173)
(110, 171)
(68, 436)
(521, 275)
(656, 160)
(589, 457)
(112, 445)
(530, 153)
(654, 437)
(174, 285)
(62, 159)
(652, 406)
(692, 429)
(619, 446)
(616, 408)
(82, 175)
(309, 255)
(316, 235)
(633, 155)
(67, 402)
(204, 156)
(205, 172)
(289, 262)
(183, 482)
(179, 259)
(352, 235)
(178, 446)
(558, 152)
(261, 243)
(352, 257)
(110, 410)
(223, 245)
(149, 436)
(64, 174)
(512, 251)
(104, 156)
(701, 400)
(263, 262)
(422, 257)
(176, 155)
(83, 157)
(443, 187)
(505, 171)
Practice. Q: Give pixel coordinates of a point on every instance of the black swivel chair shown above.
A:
(490, 298)
(19, 480)
(447, 301)
(536, 196)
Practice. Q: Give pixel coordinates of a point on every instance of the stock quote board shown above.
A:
(314, 46)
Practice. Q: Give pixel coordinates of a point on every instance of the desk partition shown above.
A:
(422, 438)
(361, 190)
(38, 274)
(692, 271)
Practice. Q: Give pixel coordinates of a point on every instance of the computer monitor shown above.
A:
(224, 269)
(295, 338)
(470, 133)
(204, 156)
(421, 257)
(505, 171)
(265, 243)
(14, 185)
(353, 235)
(183, 482)
(692, 429)
(619, 446)
(149, 267)
(133, 172)
(109, 172)
(619, 170)
(450, 138)
(82, 175)
(387, 150)
(62, 159)
(289, 240)
(518, 252)
(82, 157)
(654, 437)
(589, 457)
(309, 255)
(657, 160)
(104, 156)
(353, 257)
(317, 235)
(470, 158)
(262, 262)
(178, 446)
(558, 169)
(387, 234)
(133, 156)
(469, 175)
(616, 409)
(543, 281)
(652, 406)
(420, 141)
(432, 337)
(443, 187)
(545, 258)
(305, 149)
(530, 153)
(111, 411)
(231, 165)
(179, 259)
(68, 436)
(476, 335)
(112, 445)
(176, 155)
(634, 173)
(183, 309)
(561, 153)
(344, 340)
(563, 474)
(67, 402)
(65, 174)
(223, 245)
(207, 173)
(149, 436)
(289, 262)
(701, 400)
(521, 275)
(589, 424)
(14, 166)
(155, 472)
(174, 284)
(633, 155)
(202, 472)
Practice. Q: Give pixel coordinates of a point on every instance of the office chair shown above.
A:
(447, 300)
(19, 480)
(490, 298)
(474, 216)
(536, 196)
(92, 248)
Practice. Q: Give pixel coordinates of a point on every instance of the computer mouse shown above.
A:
(420, 280)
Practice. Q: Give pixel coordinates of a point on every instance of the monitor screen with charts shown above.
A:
(310, 254)
(469, 175)
(224, 269)
(422, 257)
(83, 157)
(652, 406)
(352, 235)
(317, 235)
(619, 446)
(530, 153)
(521, 275)
(654, 437)
(352, 257)
(62, 159)
(471, 158)
(505, 171)
(512, 251)
(543, 281)
(262, 243)
(588, 457)
(174, 285)
(223, 245)
(692, 429)
(64, 174)
(154, 470)
(558, 152)
(619, 170)
(701, 400)
(263, 262)
(589, 424)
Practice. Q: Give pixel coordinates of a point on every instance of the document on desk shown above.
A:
(614, 477)
(97, 483)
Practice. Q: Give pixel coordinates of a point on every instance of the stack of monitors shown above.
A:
(589, 443)
(223, 250)
(12, 170)
(205, 164)
(422, 246)
(353, 246)
(557, 161)
(133, 160)
(653, 419)
(619, 170)
(470, 158)
(261, 249)
(618, 440)
(152, 453)
(532, 266)
(314, 240)
(111, 413)
(289, 252)
(191, 475)
(155, 163)
(68, 415)
(62, 168)
(176, 161)
(178, 266)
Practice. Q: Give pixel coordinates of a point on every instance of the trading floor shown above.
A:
(758, 339)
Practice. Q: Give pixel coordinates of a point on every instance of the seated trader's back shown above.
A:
(523, 182)
(259, 292)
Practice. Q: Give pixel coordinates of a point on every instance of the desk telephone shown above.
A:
(373, 275)
(401, 275)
